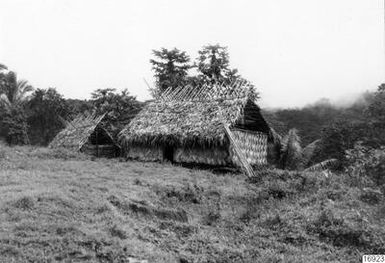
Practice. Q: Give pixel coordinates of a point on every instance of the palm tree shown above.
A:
(291, 151)
(13, 96)
(294, 157)
(14, 92)
(3, 70)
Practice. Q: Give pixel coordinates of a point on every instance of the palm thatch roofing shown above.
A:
(77, 132)
(186, 117)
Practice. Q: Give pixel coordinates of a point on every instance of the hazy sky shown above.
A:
(294, 51)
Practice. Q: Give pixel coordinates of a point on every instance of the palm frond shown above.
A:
(4, 101)
(23, 88)
(17, 92)
(322, 166)
(2, 66)
(308, 151)
(291, 152)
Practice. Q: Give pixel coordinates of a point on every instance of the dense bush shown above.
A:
(338, 128)
(367, 163)
(15, 126)
(46, 111)
(350, 230)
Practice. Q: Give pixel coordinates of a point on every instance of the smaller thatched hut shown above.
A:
(87, 134)
(188, 126)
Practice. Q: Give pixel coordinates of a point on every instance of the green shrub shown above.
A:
(366, 163)
(280, 190)
(116, 231)
(347, 231)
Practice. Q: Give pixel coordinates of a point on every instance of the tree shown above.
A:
(375, 123)
(14, 92)
(78, 106)
(294, 157)
(214, 64)
(47, 109)
(291, 151)
(376, 108)
(120, 108)
(3, 72)
(170, 67)
(337, 138)
(13, 96)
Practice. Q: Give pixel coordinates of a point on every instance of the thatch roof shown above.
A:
(77, 132)
(188, 117)
(185, 122)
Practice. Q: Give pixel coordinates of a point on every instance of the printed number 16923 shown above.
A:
(373, 258)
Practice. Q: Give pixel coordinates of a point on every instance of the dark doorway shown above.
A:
(168, 153)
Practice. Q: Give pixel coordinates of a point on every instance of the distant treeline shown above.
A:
(47, 112)
(338, 128)
(35, 116)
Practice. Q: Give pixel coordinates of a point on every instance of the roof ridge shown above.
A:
(237, 89)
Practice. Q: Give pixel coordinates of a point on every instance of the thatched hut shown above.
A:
(87, 134)
(188, 127)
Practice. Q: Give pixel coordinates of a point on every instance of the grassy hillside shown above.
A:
(61, 207)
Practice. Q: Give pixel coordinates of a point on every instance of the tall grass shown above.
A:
(81, 210)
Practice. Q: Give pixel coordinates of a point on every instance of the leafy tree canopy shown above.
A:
(119, 107)
(170, 67)
(47, 111)
(213, 63)
(14, 94)
(376, 108)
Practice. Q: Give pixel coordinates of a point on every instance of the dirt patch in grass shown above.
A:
(187, 193)
(24, 203)
(142, 209)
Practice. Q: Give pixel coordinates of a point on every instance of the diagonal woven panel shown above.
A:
(77, 132)
(253, 145)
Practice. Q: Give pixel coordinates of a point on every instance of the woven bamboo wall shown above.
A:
(142, 153)
(213, 156)
(107, 150)
(252, 144)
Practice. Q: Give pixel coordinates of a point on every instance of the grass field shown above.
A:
(61, 207)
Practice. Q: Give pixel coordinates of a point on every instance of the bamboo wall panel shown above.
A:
(213, 156)
(253, 145)
(150, 154)
(108, 151)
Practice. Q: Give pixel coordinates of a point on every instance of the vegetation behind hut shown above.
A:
(119, 108)
(47, 111)
(14, 94)
(172, 69)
